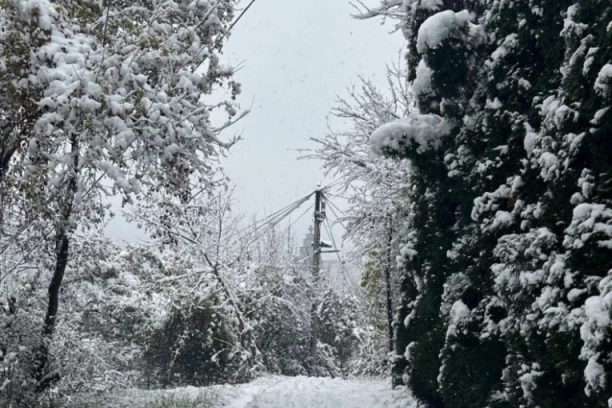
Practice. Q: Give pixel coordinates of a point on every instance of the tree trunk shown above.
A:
(43, 377)
(388, 285)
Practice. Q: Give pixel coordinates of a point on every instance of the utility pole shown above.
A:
(319, 217)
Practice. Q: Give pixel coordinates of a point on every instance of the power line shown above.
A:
(277, 217)
(300, 216)
(259, 223)
(331, 185)
(338, 219)
(283, 214)
(342, 261)
(330, 232)
(246, 9)
(334, 206)
(218, 42)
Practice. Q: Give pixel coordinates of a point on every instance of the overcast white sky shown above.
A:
(296, 58)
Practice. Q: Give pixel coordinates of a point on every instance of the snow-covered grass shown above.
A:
(189, 397)
(203, 400)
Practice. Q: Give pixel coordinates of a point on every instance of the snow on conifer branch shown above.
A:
(420, 132)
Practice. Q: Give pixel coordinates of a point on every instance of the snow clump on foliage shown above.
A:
(422, 83)
(426, 131)
(439, 27)
(604, 80)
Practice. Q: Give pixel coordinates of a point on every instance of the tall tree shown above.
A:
(113, 96)
(376, 189)
(500, 306)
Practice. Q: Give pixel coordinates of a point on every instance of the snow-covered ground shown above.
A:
(266, 392)
(309, 392)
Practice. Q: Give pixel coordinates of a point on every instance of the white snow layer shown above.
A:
(504, 49)
(431, 4)
(308, 392)
(439, 27)
(595, 376)
(604, 80)
(459, 312)
(589, 219)
(528, 380)
(422, 83)
(426, 131)
(271, 392)
(41, 11)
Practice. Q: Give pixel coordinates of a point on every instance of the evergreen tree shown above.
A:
(506, 290)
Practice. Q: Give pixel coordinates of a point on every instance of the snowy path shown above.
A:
(307, 392)
(265, 392)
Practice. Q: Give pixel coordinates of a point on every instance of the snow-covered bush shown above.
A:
(338, 328)
(19, 337)
(192, 347)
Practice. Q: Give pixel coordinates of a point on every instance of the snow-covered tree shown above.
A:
(376, 191)
(248, 279)
(105, 98)
(507, 261)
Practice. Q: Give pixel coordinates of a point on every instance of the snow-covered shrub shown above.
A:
(338, 331)
(193, 347)
(19, 337)
(139, 398)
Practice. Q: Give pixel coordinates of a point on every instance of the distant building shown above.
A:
(307, 248)
(342, 275)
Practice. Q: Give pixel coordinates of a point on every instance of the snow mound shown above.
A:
(439, 27)
(426, 131)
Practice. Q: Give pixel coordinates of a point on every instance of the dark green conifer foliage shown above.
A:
(528, 33)
(507, 285)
